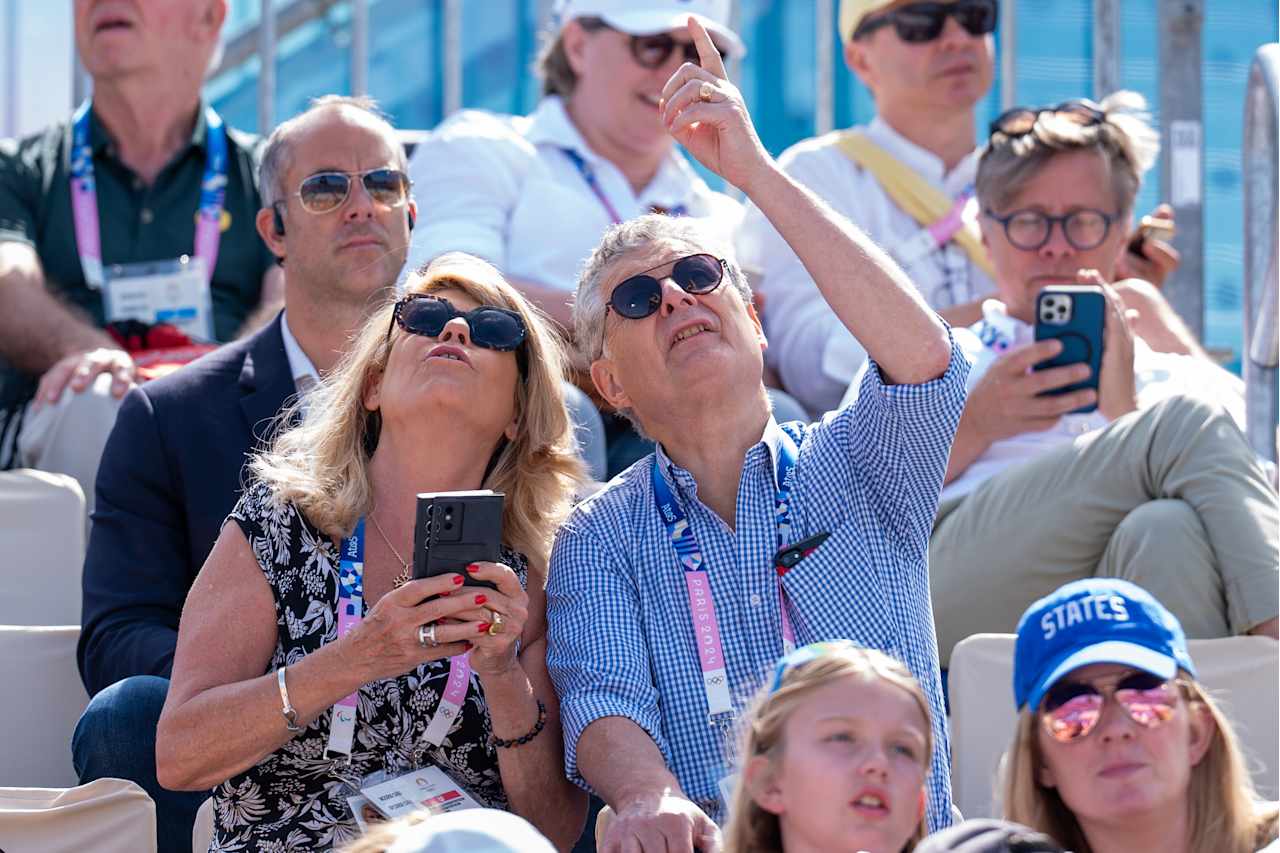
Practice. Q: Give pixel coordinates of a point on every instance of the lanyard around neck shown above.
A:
(84, 196)
(593, 183)
(342, 724)
(706, 627)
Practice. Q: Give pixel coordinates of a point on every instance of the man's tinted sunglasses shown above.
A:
(490, 327)
(922, 22)
(326, 191)
(640, 295)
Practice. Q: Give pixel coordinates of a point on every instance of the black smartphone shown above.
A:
(455, 529)
(1074, 315)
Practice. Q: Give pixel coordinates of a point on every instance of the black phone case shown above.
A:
(455, 529)
(1081, 336)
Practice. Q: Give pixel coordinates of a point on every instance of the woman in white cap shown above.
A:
(1117, 747)
(534, 194)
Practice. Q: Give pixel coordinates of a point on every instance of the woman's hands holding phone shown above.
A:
(395, 635)
(499, 615)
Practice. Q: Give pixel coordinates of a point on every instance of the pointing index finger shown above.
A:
(708, 57)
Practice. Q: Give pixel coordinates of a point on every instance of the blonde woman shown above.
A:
(456, 386)
(1117, 747)
(834, 757)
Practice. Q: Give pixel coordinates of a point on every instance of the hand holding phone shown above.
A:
(453, 530)
(1074, 315)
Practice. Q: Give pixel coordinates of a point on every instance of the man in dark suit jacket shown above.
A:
(173, 466)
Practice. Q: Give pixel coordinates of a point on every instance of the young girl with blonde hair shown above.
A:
(834, 756)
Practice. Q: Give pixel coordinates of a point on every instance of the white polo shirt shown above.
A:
(509, 189)
(811, 349)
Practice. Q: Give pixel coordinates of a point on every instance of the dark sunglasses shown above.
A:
(640, 295)
(326, 191)
(1019, 121)
(1071, 709)
(921, 22)
(490, 327)
(1029, 230)
(651, 51)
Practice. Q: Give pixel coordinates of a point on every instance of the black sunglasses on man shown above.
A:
(917, 23)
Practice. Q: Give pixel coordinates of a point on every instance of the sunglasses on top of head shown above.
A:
(489, 326)
(651, 51)
(922, 22)
(326, 191)
(1071, 709)
(640, 295)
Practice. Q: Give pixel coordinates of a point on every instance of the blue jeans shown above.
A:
(116, 738)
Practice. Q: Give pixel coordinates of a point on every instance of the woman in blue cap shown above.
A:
(1117, 747)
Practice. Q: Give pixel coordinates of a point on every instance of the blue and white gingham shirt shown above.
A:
(620, 637)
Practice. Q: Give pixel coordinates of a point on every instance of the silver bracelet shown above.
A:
(290, 715)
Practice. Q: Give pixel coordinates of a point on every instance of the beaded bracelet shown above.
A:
(523, 739)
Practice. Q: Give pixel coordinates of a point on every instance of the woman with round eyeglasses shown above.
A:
(1117, 747)
(311, 666)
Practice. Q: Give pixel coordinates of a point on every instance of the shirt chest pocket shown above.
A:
(838, 592)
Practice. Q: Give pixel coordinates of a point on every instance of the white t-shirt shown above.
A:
(1157, 375)
(503, 188)
(815, 354)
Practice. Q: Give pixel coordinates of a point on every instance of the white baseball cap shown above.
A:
(639, 18)
(472, 831)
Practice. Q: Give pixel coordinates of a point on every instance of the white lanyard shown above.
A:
(342, 726)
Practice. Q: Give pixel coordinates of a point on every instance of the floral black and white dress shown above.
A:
(295, 798)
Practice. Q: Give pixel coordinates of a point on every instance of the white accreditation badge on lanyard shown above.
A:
(427, 788)
(175, 291)
(350, 613)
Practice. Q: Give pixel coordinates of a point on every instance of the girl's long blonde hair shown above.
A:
(321, 464)
(1222, 806)
(751, 828)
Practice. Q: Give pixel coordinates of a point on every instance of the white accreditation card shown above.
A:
(174, 292)
(425, 788)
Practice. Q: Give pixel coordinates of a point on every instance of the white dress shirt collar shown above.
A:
(923, 162)
(303, 371)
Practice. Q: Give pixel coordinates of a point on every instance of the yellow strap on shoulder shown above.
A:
(918, 198)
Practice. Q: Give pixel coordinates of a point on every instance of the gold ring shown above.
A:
(706, 92)
(497, 626)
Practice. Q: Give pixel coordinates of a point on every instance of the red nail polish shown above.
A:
(445, 594)
(484, 627)
(480, 599)
(457, 580)
(473, 568)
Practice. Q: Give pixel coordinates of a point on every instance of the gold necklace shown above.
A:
(402, 578)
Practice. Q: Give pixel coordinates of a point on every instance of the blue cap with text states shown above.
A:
(1097, 620)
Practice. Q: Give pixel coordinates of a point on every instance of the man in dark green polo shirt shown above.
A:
(156, 159)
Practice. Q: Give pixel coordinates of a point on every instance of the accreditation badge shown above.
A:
(428, 788)
(174, 292)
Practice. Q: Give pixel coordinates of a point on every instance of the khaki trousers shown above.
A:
(1171, 498)
(68, 436)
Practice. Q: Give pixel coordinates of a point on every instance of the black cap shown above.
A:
(989, 836)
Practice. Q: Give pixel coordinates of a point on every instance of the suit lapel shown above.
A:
(266, 380)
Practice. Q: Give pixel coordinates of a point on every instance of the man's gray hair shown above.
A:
(1124, 137)
(632, 236)
(276, 154)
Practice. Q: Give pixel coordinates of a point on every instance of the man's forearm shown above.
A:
(864, 287)
(36, 329)
(622, 763)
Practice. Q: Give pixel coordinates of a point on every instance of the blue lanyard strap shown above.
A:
(84, 196)
(593, 183)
